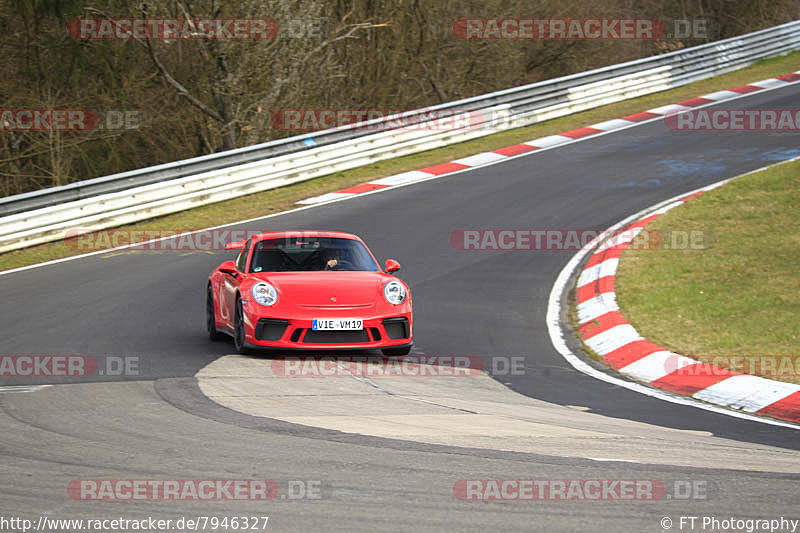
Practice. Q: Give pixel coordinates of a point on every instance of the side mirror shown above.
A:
(235, 245)
(392, 266)
(229, 267)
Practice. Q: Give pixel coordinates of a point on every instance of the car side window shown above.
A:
(241, 261)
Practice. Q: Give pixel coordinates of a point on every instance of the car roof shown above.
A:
(303, 233)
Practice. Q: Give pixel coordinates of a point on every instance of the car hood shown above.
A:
(328, 289)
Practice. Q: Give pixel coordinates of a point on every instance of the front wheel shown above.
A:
(396, 351)
(211, 322)
(238, 328)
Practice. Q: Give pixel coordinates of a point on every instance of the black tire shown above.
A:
(396, 351)
(211, 326)
(238, 329)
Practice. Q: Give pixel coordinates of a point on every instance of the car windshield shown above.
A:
(301, 254)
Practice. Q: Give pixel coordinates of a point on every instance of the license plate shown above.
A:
(337, 324)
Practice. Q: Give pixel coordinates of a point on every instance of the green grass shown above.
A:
(736, 295)
(278, 200)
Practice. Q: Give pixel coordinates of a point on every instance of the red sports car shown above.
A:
(308, 290)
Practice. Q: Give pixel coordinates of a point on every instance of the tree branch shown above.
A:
(175, 84)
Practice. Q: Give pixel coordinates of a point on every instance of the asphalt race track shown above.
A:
(150, 305)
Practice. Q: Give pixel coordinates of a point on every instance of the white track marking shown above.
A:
(720, 95)
(550, 140)
(480, 159)
(656, 365)
(613, 124)
(327, 197)
(15, 389)
(600, 270)
(613, 339)
(750, 393)
(670, 108)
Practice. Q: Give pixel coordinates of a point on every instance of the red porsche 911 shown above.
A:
(308, 290)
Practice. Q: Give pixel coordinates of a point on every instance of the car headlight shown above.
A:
(394, 292)
(264, 293)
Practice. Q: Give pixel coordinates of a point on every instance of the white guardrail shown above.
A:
(174, 190)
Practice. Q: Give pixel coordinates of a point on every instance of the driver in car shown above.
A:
(330, 258)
